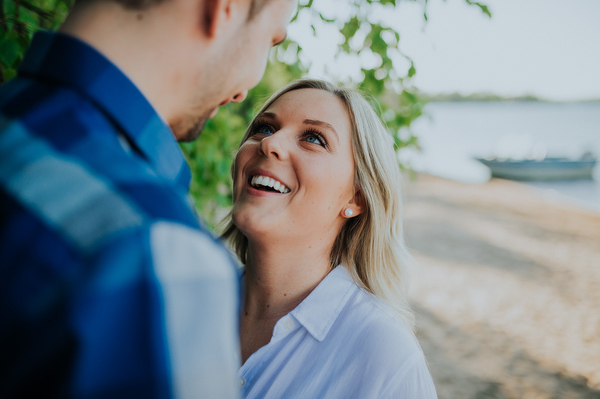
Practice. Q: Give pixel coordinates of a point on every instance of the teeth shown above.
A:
(269, 182)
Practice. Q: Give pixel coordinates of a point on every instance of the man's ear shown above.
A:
(214, 13)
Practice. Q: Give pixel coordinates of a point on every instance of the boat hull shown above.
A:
(547, 169)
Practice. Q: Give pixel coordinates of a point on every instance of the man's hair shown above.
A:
(255, 5)
(138, 4)
(129, 4)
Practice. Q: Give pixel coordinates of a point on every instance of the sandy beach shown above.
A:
(507, 292)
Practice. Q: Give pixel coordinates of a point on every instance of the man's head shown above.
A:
(187, 56)
(239, 58)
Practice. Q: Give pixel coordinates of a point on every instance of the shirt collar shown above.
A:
(59, 58)
(321, 308)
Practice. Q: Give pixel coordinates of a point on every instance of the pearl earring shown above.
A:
(348, 212)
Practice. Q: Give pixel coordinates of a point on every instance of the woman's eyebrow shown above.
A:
(268, 115)
(321, 124)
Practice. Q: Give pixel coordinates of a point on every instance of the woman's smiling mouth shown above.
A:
(266, 183)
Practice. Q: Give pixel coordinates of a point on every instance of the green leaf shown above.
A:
(411, 70)
(329, 21)
(350, 28)
(8, 73)
(485, 9)
(9, 52)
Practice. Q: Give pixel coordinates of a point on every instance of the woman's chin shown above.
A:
(253, 226)
(261, 234)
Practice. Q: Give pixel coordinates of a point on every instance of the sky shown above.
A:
(547, 48)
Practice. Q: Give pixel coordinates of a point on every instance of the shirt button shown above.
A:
(242, 382)
(288, 324)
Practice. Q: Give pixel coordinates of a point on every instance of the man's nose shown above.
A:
(239, 97)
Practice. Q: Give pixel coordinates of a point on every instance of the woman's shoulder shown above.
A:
(342, 313)
(378, 325)
(387, 350)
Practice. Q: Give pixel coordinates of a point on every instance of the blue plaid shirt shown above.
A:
(109, 286)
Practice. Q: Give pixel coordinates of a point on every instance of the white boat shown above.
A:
(550, 168)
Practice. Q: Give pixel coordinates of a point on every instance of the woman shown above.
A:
(317, 222)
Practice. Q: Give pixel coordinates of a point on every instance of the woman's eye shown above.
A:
(314, 137)
(311, 138)
(264, 129)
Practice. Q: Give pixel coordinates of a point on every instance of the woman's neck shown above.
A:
(277, 280)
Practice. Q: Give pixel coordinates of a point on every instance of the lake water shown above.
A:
(451, 134)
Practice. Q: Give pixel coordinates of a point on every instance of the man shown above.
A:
(109, 286)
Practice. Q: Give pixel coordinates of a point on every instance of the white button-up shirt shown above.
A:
(340, 342)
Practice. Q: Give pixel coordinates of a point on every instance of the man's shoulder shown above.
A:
(44, 105)
(65, 162)
(55, 120)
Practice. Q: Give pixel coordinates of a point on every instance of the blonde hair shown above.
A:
(370, 245)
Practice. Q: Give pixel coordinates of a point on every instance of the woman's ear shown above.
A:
(355, 206)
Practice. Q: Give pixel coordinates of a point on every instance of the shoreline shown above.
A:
(561, 193)
(508, 289)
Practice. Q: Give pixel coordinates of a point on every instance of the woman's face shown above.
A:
(301, 146)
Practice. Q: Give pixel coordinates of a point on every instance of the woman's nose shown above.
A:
(274, 146)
